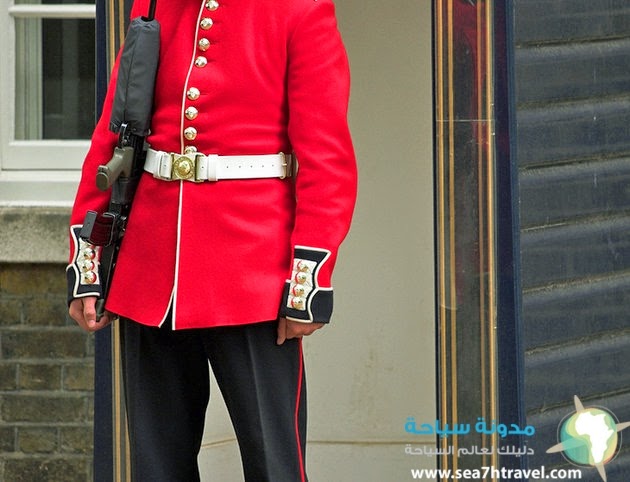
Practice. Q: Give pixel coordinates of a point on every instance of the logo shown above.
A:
(589, 437)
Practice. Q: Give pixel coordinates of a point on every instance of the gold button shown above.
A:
(298, 290)
(191, 113)
(88, 265)
(204, 44)
(190, 133)
(193, 93)
(89, 253)
(206, 23)
(297, 303)
(190, 150)
(212, 5)
(89, 278)
(201, 61)
(302, 266)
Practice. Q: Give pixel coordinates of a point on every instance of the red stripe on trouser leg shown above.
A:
(297, 413)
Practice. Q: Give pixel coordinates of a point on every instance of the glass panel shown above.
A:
(28, 79)
(52, 2)
(55, 91)
(466, 238)
(69, 79)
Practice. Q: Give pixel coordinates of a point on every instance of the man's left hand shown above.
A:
(288, 329)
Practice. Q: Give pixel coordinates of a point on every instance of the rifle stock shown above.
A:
(122, 173)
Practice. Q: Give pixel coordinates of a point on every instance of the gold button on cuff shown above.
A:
(303, 266)
(89, 278)
(298, 290)
(212, 5)
(88, 265)
(89, 253)
(298, 303)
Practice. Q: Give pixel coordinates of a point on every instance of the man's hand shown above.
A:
(83, 311)
(288, 329)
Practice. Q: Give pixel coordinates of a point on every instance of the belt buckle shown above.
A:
(184, 167)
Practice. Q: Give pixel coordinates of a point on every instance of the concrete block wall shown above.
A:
(46, 361)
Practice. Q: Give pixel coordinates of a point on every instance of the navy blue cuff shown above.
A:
(83, 273)
(303, 299)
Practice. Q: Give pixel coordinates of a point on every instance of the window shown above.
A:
(47, 108)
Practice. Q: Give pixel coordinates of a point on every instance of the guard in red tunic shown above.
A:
(249, 189)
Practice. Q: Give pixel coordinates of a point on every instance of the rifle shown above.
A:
(131, 120)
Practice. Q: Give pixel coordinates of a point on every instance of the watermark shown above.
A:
(444, 430)
(459, 450)
(470, 450)
(489, 473)
(589, 437)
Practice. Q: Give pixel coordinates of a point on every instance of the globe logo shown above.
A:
(589, 437)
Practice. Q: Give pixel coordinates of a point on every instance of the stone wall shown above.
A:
(46, 361)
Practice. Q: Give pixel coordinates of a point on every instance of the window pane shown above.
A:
(51, 2)
(55, 77)
(69, 79)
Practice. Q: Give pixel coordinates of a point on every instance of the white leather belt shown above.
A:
(198, 167)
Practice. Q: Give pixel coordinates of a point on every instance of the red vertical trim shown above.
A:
(297, 413)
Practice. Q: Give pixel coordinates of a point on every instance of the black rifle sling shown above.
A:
(152, 5)
(131, 120)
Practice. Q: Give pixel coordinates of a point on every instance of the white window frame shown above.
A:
(34, 172)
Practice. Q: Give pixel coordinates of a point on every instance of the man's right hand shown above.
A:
(83, 311)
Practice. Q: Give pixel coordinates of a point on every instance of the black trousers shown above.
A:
(166, 376)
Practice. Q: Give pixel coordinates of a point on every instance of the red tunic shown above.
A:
(269, 77)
